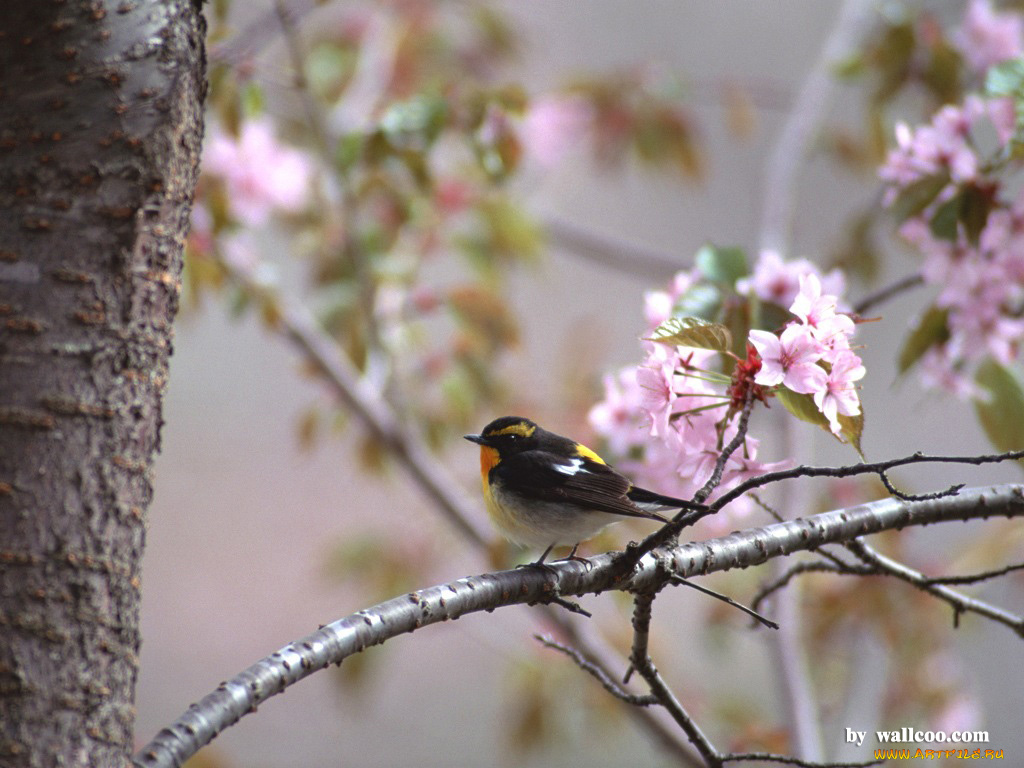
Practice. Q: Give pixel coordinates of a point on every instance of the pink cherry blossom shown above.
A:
(618, 418)
(790, 359)
(260, 174)
(817, 310)
(987, 36)
(658, 395)
(200, 236)
(1003, 115)
(981, 330)
(657, 307)
(942, 145)
(938, 370)
(553, 126)
(778, 281)
(839, 395)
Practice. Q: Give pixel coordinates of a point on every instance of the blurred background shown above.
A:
(273, 514)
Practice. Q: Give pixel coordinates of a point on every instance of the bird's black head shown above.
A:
(508, 435)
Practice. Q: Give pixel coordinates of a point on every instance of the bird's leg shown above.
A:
(573, 556)
(539, 562)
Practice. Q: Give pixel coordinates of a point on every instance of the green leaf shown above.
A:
(974, 212)
(944, 221)
(893, 56)
(931, 329)
(414, 123)
(736, 313)
(692, 332)
(1002, 413)
(803, 407)
(1006, 79)
(701, 300)
(852, 427)
(771, 316)
(917, 196)
(252, 99)
(722, 265)
(348, 151)
(943, 75)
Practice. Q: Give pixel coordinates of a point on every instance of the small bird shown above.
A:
(543, 489)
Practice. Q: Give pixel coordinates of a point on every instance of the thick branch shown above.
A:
(335, 642)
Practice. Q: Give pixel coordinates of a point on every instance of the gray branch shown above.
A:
(335, 642)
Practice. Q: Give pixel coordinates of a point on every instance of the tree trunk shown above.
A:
(100, 132)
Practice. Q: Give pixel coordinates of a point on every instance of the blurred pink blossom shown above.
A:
(618, 418)
(553, 125)
(987, 36)
(659, 305)
(260, 174)
(942, 145)
(200, 236)
(979, 280)
(778, 281)
(938, 370)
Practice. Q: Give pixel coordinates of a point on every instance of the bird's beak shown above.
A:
(478, 439)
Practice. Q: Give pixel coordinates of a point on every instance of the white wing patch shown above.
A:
(573, 467)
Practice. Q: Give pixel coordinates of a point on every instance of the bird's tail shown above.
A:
(649, 499)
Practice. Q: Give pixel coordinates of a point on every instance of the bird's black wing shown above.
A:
(547, 476)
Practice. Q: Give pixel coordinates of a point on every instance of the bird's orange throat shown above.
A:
(489, 459)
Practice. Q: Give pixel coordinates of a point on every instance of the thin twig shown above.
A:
(641, 661)
(960, 603)
(772, 512)
(734, 444)
(885, 293)
(571, 607)
(974, 578)
(950, 491)
(680, 581)
(687, 518)
(789, 574)
(852, 470)
(605, 658)
(597, 673)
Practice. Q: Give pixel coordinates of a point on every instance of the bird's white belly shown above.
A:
(541, 523)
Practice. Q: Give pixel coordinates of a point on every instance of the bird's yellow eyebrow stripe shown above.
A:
(586, 453)
(523, 430)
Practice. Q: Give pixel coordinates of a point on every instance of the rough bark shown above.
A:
(100, 134)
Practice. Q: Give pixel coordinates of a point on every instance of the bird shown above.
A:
(546, 490)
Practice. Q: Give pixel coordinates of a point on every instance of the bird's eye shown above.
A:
(513, 436)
